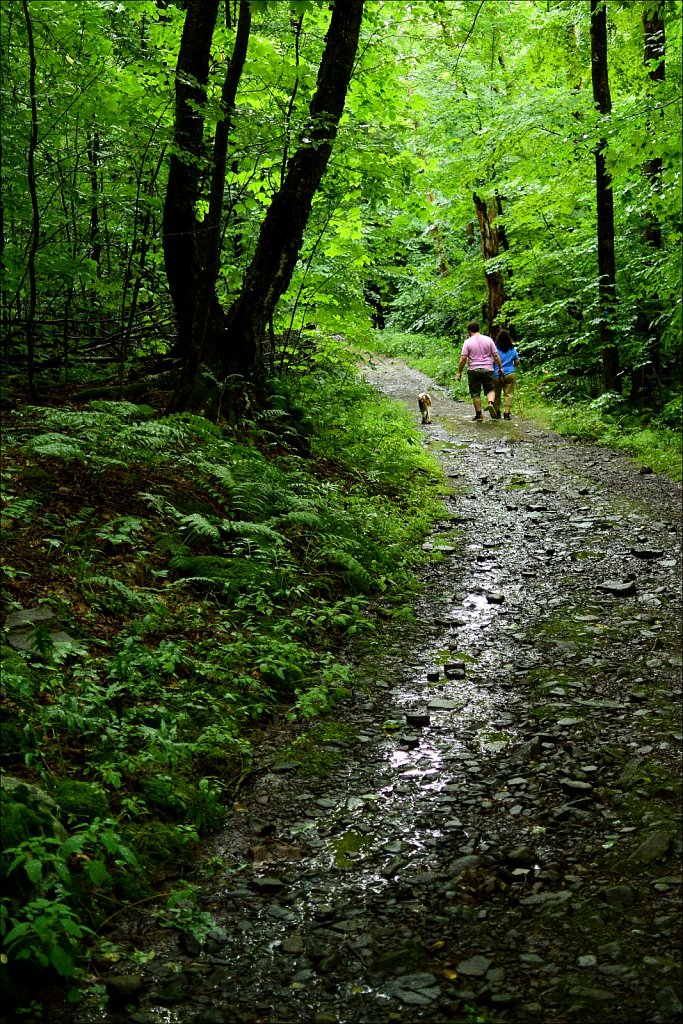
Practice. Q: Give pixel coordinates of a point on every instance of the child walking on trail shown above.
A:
(504, 383)
(480, 354)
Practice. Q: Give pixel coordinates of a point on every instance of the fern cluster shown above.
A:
(208, 579)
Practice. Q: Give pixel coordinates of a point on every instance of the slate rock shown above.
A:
(541, 898)
(265, 884)
(409, 741)
(669, 1003)
(292, 944)
(619, 895)
(467, 863)
(619, 588)
(209, 1017)
(417, 718)
(123, 988)
(26, 617)
(655, 847)
(523, 856)
(475, 966)
(647, 553)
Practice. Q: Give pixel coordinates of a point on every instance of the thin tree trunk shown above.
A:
(33, 192)
(4, 312)
(94, 161)
(645, 377)
(493, 238)
(607, 292)
(281, 235)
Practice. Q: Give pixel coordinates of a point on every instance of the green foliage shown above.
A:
(49, 935)
(212, 577)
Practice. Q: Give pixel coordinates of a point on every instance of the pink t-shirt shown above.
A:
(480, 351)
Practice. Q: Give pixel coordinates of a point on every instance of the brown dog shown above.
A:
(425, 404)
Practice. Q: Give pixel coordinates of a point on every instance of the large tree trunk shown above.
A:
(281, 235)
(201, 318)
(645, 378)
(607, 292)
(182, 255)
(493, 238)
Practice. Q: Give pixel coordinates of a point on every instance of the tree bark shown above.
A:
(204, 316)
(607, 293)
(654, 46)
(644, 378)
(493, 238)
(182, 256)
(33, 192)
(281, 234)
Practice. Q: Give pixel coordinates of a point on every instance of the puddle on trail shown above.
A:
(446, 446)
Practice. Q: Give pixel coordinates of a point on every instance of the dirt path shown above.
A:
(496, 837)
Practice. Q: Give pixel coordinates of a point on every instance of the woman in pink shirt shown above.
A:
(480, 354)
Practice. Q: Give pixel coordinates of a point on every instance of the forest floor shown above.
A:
(489, 830)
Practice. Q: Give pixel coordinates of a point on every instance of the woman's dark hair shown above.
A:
(504, 341)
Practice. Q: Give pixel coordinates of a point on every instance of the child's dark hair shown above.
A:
(504, 341)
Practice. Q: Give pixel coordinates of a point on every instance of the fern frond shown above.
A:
(223, 474)
(198, 424)
(152, 435)
(19, 508)
(304, 517)
(117, 409)
(350, 565)
(55, 446)
(261, 531)
(200, 525)
(133, 597)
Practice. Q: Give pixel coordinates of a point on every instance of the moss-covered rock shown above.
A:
(27, 811)
(84, 801)
(164, 797)
(158, 844)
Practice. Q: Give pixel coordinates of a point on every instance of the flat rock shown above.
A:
(647, 552)
(442, 704)
(655, 847)
(620, 588)
(475, 966)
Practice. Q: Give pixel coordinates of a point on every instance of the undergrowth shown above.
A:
(186, 583)
(651, 437)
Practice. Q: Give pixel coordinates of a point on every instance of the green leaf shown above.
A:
(62, 961)
(34, 870)
(97, 872)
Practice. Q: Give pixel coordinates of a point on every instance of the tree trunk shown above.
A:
(493, 238)
(644, 378)
(182, 256)
(607, 293)
(33, 192)
(281, 235)
(203, 315)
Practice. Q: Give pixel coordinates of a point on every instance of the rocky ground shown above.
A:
(491, 830)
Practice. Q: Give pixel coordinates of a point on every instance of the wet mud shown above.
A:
(495, 836)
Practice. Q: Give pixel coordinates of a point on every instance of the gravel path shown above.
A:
(497, 837)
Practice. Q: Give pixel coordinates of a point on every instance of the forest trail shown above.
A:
(496, 837)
